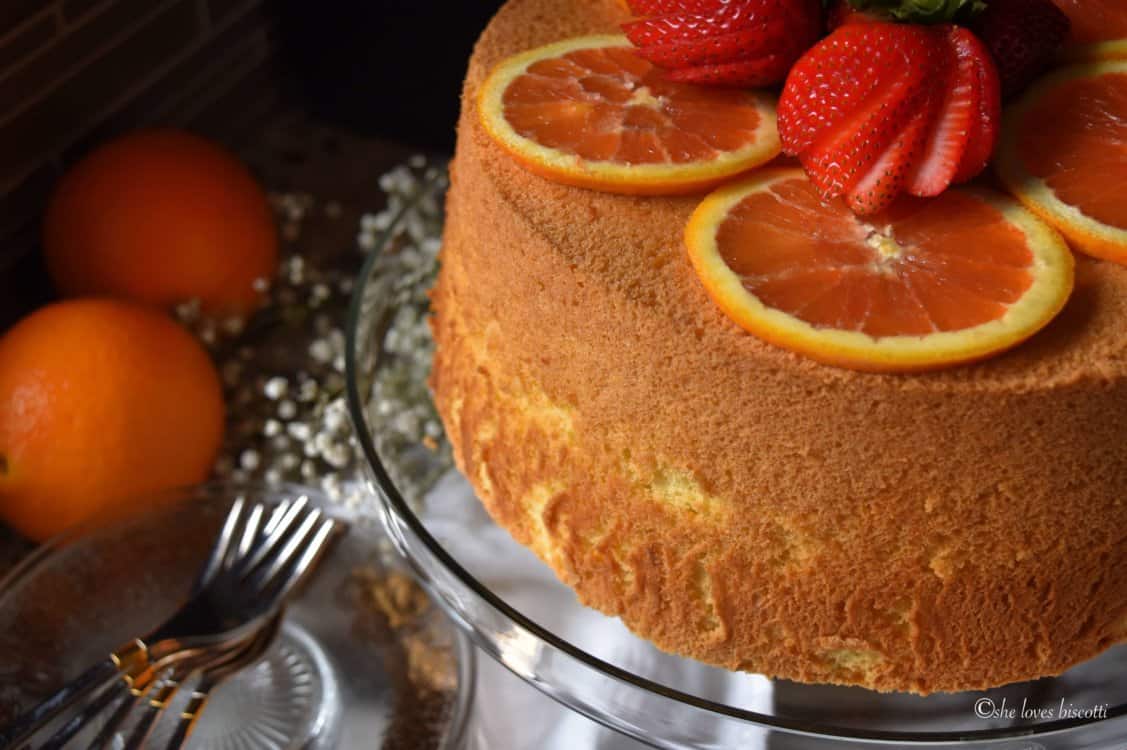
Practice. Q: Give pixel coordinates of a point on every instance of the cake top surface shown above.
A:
(633, 246)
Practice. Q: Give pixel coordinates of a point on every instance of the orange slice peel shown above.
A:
(1112, 49)
(589, 112)
(1099, 30)
(1061, 153)
(909, 290)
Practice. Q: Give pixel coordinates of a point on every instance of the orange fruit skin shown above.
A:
(833, 240)
(1086, 233)
(563, 164)
(100, 400)
(161, 217)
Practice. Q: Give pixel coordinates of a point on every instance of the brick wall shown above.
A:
(74, 72)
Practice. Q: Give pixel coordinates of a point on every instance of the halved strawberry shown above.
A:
(876, 109)
(839, 160)
(984, 135)
(1023, 36)
(950, 132)
(653, 7)
(850, 96)
(734, 73)
(670, 28)
(725, 42)
(885, 180)
(710, 49)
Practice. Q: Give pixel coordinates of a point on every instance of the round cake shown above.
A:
(746, 507)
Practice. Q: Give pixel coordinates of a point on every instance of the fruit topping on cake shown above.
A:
(931, 284)
(590, 112)
(865, 257)
(907, 11)
(1024, 36)
(875, 110)
(746, 43)
(1099, 29)
(1064, 154)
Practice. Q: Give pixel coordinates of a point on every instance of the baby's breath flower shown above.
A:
(275, 388)
(321, 351)
(287, 409)
(291, 423)
(299, 431)
(249, 460)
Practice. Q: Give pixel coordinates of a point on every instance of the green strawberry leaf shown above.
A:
(923, 11)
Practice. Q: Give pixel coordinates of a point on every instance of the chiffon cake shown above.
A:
(745, 507)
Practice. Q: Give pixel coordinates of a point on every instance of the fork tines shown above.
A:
(260, 556)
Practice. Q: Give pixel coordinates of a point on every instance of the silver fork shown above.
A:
(255, 563)
(212, 677)
(257, 556)
(124, 701)
(221, 664)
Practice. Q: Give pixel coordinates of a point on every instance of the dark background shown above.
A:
(75, 73)
(389, 68)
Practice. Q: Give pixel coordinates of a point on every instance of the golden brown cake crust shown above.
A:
(749, 508)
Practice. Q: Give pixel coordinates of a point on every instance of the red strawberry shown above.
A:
(725, 74)
(1023, 36)
(655, 7)
(725, 42)
(849, 97)
(966, 109)
(667, 28)
(983, 137)
(877, 109)
(712, 50)
(885, 180)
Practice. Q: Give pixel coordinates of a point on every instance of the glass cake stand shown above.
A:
(362, 659)
(514, 609)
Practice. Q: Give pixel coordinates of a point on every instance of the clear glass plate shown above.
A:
(514, 608)
(361, 660)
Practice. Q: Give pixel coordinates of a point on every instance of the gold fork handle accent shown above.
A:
(197, 702)
(132, 661)
(162, 694)
(130, 652)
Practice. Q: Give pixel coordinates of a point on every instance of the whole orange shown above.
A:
(161, 217)
(100, 400)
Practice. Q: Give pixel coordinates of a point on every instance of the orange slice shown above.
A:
(1063, 152)
(1099, 29)
(591, 113)
(927, 284)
